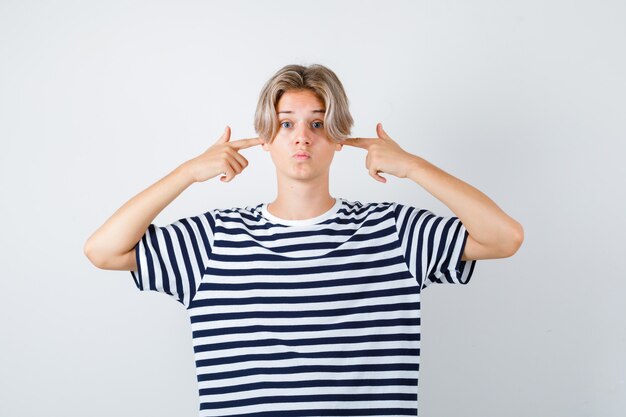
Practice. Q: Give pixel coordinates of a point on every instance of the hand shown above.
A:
(221, 158)
(383, 155)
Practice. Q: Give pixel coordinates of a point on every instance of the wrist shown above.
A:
(185, 172)
(416, 167)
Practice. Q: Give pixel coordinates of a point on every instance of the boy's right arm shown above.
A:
(112, 246)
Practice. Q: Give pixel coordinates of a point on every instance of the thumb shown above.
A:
(225, 136)
(381, 132)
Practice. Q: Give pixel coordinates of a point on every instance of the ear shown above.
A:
(338, 147)
(266, 146)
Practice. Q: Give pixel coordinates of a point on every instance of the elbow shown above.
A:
(92, 256)
(517, 238)
(106, 261)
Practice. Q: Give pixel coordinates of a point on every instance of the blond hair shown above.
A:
(317, 78)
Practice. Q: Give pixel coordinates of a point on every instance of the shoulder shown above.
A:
(356, 208)
(367, 204)
(249, 212)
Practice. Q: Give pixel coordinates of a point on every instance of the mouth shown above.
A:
(302, 155)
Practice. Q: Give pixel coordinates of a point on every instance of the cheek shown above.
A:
(278, 153)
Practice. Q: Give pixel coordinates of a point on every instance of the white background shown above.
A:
(524, 100)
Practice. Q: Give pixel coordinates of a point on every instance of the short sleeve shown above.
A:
(171, 259)
(433, 246)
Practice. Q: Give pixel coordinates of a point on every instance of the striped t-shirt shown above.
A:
(315, 317)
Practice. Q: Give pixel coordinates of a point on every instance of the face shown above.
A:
(301, 129)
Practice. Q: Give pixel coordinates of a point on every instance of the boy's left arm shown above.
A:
(491, 232)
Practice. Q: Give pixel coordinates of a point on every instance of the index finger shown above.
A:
(363, 143)
(246, 143)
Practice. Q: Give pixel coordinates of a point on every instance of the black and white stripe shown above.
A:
(317, 317)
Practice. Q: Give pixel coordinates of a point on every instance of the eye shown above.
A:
(282, 124)
(318, 123)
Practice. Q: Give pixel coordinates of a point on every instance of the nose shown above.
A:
(302, 135)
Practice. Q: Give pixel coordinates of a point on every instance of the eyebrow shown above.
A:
(314, 111)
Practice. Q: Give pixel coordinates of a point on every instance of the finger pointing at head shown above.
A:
(363, 143)
(246, 143)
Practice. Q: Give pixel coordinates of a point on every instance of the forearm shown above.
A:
(121, 232)
(483, 219)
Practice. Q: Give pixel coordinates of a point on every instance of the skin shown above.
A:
(303, 185)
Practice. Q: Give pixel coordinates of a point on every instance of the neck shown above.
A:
(298, 200)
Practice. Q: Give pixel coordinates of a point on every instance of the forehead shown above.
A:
(301, 99)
